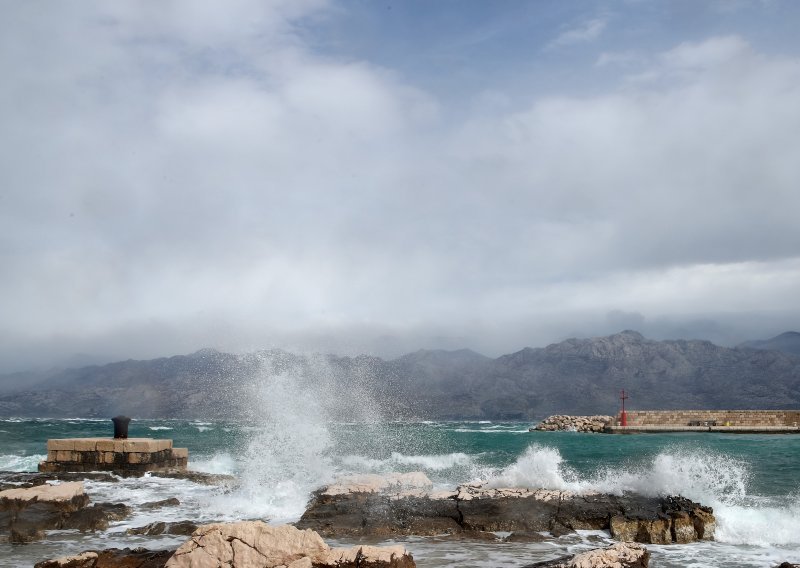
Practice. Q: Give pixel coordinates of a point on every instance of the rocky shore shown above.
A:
(374, 507)
(566, 422)
(356, 507)
(247, 544)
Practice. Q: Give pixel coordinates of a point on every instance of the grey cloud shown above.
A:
(173, 182)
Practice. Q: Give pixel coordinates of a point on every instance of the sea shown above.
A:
(752, 481)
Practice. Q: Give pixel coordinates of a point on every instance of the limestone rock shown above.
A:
(473, 509)
(704, 523)
(171, 502)
(370, 483)
(82, 560)
(620, 555)
(254, 543)
(111, 558)
(561, 422)
(160, 527)
(25, 513)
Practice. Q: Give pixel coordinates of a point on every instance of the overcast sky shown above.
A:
(364, 176)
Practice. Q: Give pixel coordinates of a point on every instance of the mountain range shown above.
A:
(575, 376)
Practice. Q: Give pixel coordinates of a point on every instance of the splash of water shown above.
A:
(538, 467)
(712, 479)
(287, 455)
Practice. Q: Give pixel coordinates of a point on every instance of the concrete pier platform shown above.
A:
(129, 456)
(725, 421)
(663, 428)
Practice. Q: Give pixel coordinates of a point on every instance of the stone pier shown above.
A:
(733, 421)
(130, 456)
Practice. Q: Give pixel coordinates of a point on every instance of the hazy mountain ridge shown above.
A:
(788, 342)
(573, 376)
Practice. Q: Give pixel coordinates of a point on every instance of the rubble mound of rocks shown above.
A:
(558, 422)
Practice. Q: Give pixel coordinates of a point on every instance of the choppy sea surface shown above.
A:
(751, 481)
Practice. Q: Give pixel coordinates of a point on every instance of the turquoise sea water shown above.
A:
(752, 481)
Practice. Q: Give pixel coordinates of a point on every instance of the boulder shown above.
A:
(254, 543)
(620, 555)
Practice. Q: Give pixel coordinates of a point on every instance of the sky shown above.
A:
(377, 177)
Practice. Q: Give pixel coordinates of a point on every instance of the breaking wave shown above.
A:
(712, 479)
(10, 462)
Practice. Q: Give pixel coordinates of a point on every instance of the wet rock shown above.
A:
(185, 528)
(683, 530)
(26, 512)
(525, 536)
(474, 509)
(82, 560)
(473, 536)
(704, 523)
(111, 558)
(254, 543)
(22, 480)
(196, 477)
(171, 502)
(620, 555)
(557, 530)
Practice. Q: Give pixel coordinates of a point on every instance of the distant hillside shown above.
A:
(788, 342)
(574, 376)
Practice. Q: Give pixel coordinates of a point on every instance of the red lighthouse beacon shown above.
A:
(623, 418)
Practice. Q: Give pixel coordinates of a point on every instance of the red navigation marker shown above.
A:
(623, 418)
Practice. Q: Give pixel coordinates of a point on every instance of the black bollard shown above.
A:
(121, 427)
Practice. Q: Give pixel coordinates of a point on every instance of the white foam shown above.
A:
(538, 467)
(11, 462)
(220, 463)
(160, 428)
(714, 480)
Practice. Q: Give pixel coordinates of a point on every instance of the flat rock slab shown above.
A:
(472, 509)
(25, 513)
(111, 558)
(62, 493)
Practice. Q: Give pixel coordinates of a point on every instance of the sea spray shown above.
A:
(538, 467)
(711, 478)
(290, 405)
(285, 458)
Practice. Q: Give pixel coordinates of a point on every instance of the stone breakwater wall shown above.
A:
(735, 418)
(595, 423)
(132, 456)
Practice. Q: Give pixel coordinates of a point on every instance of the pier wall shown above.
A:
(126, 457)
(736, 418)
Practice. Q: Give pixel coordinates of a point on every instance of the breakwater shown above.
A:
(766, 421)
